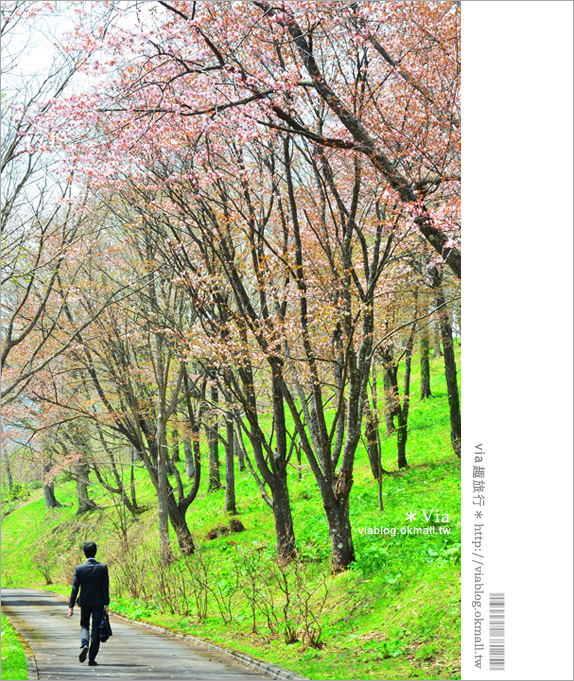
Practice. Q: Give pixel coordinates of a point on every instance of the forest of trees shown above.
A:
(228, 229)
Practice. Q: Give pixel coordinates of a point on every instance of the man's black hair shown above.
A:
(90, 549)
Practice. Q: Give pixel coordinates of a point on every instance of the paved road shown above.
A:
(133, 652)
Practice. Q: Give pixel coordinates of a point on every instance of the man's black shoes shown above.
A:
(84, 654)
(92, 663)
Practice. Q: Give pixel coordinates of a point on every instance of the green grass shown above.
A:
(13, 658)
(395, 614)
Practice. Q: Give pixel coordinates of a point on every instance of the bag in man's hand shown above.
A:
(105, 629)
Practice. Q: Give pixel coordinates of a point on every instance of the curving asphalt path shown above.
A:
(133, 652)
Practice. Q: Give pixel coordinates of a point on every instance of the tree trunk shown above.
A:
(182, 533)
(8, 473)
(392, 396)
(162, 485)
(402, 434)
(175, 457)
(176, 510)
(284, 531)
(342, 549)
(133, 504)
(163, 517)
(239, 450)
(450, 373)
(390, 403)
(373, 447)
(299, 462)
(48, 489)
(403, 415)
(82, 482)
(214, 478)
(50, 497)
(213, 435)
(425, 365)
(189, 464)
(230, 506)
(437, 351)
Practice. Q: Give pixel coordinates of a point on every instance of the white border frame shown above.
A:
(517, 322)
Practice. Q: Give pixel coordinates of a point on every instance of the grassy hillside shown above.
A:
(394, 615)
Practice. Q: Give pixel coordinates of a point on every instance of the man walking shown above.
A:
(91, 579)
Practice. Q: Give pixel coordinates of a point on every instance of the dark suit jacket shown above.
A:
(91, 579)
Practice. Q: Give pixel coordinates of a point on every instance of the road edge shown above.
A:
(272, 670)
(31, 666)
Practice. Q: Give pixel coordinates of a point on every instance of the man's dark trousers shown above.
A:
(96, 613)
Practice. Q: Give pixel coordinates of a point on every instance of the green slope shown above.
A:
(394, 615)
